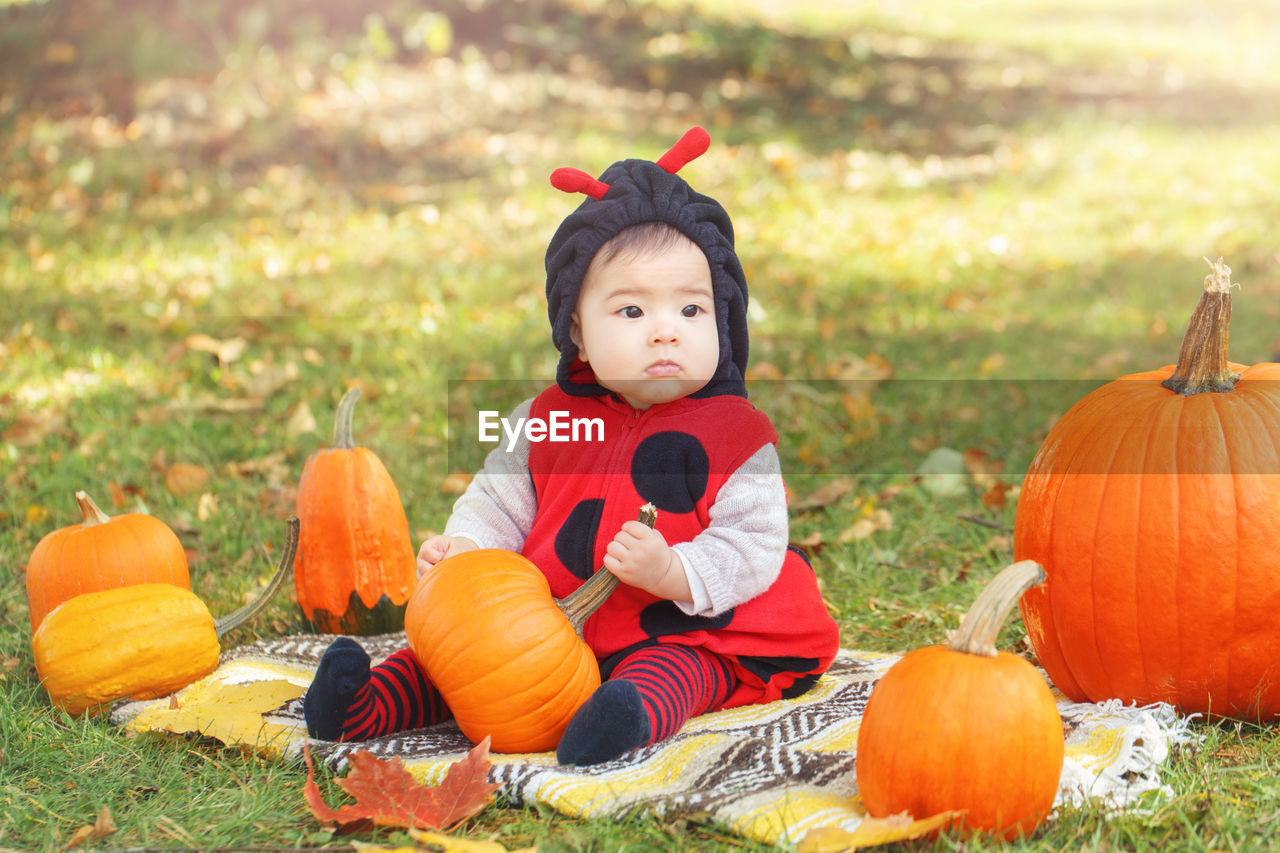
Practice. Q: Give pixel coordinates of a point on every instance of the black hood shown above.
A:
(633, 192)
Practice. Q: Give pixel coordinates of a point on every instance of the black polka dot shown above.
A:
(801, 685)
(664, 617)
(767, 667)
(670, 470)
(576, 539)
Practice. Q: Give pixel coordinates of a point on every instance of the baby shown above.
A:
(647, 302)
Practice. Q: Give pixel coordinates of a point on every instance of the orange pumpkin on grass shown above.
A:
(356, 565)
(1154, 506)
(102, 552)
(965, 728)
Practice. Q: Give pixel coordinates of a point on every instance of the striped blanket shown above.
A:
(773, 773)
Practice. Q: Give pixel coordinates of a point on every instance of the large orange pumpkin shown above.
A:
(964, 728)
(356, 566)
(1154, 506)
(508, 658)
(102, 553)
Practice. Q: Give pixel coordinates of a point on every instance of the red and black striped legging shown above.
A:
(674, 682)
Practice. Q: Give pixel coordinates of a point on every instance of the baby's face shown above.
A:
(647, 324)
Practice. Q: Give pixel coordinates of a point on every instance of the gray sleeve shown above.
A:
(497, 509)
(740, 553)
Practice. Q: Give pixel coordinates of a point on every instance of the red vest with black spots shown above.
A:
(675, 455)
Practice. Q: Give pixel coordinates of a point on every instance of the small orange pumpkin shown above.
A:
(102, 553)
(356, 565)
(508, 658)
(965, 728)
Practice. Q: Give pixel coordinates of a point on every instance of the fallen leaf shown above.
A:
(857, 405)
(979, 463)
(182, 479)
(265, 379)
(997, 496)
(879, 519)
(388, 795)
(208, 404)
(30, 428)
(101, 827)
(455, 484)
(231, 713)
(273, 466)
(225, 351)
(853, 368)
(826, 494)
(301, 421)
(207, 507)
(450, 844)
(765, 371)
(874, 831)
(810, 544)
(278, 501)
(860, 529)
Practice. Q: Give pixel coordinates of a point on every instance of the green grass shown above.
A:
(997, 208)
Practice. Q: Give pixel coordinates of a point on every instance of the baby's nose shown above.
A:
(664, 332)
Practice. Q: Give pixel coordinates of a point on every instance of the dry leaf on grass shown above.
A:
(450, 844)
(455, 483)
(825, 495)
(226, 351)
(101, 827)
(388, 795)
(872, 832)
(183, 479)
(231, 713)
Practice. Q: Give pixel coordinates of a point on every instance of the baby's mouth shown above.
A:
(663, 368)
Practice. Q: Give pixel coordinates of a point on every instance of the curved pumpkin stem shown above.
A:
(981, 625)
(1202, 361)
(342, 439)
(92, 515)
(284, 569)
(586, 599)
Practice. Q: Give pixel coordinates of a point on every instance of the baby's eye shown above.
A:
(632, 312)
(691, 310)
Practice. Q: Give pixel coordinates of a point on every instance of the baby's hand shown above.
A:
(437, 548)
(639, 557)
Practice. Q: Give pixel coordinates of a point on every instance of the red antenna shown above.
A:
(578, 181)
(691, 146)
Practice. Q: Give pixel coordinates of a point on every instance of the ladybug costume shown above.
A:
(676, 456)
(751, 634)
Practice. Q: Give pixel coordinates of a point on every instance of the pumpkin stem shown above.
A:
(342, 439)
(92, 515)
(586, 599)
(284, 569)
(1202, 361)
(981, 625)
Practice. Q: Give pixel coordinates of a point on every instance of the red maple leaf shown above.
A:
(388, 794)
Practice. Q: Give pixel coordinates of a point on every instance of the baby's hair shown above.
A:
(640, 241)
